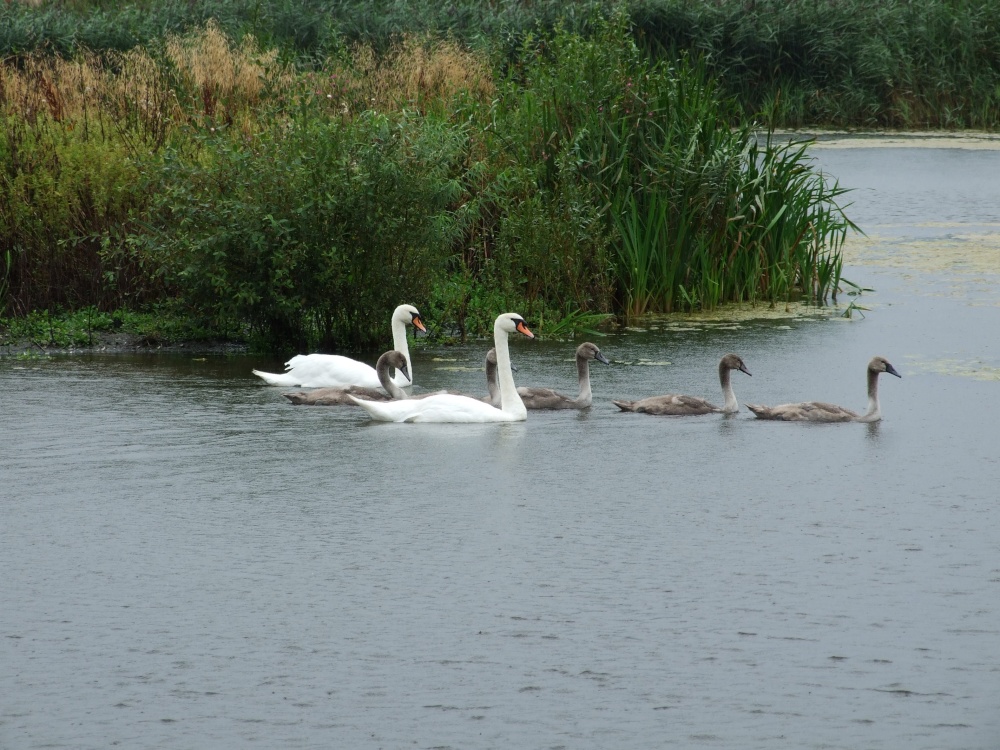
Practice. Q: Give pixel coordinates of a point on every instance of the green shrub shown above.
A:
(312, 233)
(65, 193)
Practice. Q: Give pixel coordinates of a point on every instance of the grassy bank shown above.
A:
(571, 177)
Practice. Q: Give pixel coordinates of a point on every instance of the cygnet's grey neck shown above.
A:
(874, 412)
(385, 373)
(725, 379)
(492, 386)
(586, 396)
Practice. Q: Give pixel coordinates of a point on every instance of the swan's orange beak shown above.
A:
(522, 328)
(418, 323)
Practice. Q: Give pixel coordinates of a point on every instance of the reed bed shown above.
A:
(570, 178)
(844, 63)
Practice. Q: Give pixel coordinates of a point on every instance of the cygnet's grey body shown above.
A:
(820, 411)
(389, 361)
(676, 405)
(547, 398)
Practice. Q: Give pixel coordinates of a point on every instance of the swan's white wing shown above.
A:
(443, 407)
(329, 370)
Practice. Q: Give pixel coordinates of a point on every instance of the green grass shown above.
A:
(84, 328)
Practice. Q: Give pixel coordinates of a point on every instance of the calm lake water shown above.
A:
(191, 562)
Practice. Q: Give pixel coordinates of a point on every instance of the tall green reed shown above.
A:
(701, 213)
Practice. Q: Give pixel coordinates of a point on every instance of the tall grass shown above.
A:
(700, 213)
(848, 63)
(811, 62)
(78, 136)
(571, 178)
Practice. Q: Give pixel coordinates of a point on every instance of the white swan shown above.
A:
(677, 405)
(334, 370)
(447, 407)
(819, 411)
(338, 396)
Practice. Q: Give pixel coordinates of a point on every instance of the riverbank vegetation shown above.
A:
(292, 185)
(830, 63)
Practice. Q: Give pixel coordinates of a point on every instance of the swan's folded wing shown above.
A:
(808, 411)
(545, 398)
(335, 396)
(819, 411)
(674, 405)
(330, 370)
(444, 407)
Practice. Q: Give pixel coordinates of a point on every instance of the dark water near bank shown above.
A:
(191, 562)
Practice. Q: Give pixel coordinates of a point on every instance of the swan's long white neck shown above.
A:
(731, 406)
(400, 345)
(874, 413)
(583, 372)
(510, 401)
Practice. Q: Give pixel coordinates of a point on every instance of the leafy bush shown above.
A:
(63, 195)
(313, 232)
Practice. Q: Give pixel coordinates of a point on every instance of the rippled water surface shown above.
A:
(191, 562)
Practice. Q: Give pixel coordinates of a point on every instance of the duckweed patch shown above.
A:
(975, 369)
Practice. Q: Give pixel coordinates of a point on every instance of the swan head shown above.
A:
(733, 362)
(881, 364)
(410, 315)
(512, 322)
(586, 350)
(393, 358)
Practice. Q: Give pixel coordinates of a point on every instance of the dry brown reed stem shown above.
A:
(85, 90)
(419, 73)
(224, 79)
(45, 85)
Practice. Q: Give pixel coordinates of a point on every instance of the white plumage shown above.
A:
(447, 407)
(335, 370)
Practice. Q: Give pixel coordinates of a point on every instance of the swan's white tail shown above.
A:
(274, 378)
(382, 412)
